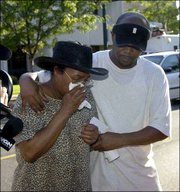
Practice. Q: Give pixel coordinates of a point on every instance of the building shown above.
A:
(101, 37)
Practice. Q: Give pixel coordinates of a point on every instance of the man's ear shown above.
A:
(113, 35)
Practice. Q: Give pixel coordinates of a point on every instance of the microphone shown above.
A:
(5, 52)
(13, 127)
(5, 111)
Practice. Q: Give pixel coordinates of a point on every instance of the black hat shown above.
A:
(70, 54)
(6, 82)
(5, 53)
(131, 35)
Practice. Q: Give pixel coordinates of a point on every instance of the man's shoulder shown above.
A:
(100, 53)
(152, 70)
(101, 58)
(44, 75)
(149, 66)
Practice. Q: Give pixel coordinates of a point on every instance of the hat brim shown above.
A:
(48, 63)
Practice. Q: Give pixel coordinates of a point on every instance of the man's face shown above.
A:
(124, 57)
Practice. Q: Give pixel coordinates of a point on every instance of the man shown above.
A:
(133, 102)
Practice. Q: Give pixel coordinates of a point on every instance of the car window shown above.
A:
(156, 59)
(171, 63)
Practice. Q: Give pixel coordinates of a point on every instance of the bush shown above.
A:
(16, 89)
(15, 80)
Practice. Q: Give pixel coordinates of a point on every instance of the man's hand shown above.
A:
(108, 141)
(32, 94)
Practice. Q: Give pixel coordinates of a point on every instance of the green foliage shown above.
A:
(16, 89)
(31, 23)
(161, 11)
(15, 80)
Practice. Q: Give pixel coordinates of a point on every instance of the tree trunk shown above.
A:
(29, 63)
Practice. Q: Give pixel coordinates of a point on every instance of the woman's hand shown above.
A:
(73, 99)
(32, 94)
(89, 133)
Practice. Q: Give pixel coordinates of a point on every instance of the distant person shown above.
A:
(3, 95)
(5, 79)
(133, 103)
(51, 156)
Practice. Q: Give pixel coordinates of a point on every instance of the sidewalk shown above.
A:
(13, 98)
(12, 101)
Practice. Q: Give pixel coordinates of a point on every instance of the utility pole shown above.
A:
(105, 37)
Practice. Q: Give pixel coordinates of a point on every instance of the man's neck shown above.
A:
(118, 64)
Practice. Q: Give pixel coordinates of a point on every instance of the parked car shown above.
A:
(169, 61)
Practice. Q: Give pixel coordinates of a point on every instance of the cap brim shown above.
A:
(131, 35)
(48, 63)
(140, 48)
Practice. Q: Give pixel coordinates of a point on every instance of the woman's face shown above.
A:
(67, 76)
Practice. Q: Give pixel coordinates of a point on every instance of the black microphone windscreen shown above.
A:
(13, 127)
(5, 52)
(5, 111)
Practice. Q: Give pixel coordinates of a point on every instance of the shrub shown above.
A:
(15, 80)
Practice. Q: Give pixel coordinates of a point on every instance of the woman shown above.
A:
(50, 154)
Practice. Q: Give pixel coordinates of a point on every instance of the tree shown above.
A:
(164, 12)
(29, 24)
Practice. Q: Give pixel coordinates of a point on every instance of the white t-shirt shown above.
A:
(127, 101)
(44, 76)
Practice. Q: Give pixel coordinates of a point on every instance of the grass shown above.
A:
(16, 89)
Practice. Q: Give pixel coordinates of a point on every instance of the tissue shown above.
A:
(85, 103)
(111, 155)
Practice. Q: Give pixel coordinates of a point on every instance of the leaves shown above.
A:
(164, 12)
(31, 23)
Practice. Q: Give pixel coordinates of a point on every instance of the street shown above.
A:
(166, 155)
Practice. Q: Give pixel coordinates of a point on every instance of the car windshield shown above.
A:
(156, 59)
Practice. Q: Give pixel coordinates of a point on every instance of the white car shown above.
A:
(169, 61)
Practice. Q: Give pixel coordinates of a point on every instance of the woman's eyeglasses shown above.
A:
(88, 83)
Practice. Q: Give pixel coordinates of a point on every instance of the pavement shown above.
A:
(13, 98)
(12, 101)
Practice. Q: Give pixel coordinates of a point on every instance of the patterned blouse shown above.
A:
(65, 167)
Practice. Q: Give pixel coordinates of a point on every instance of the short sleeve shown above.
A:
(31, 122)
(44, 76)
(160, 106)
